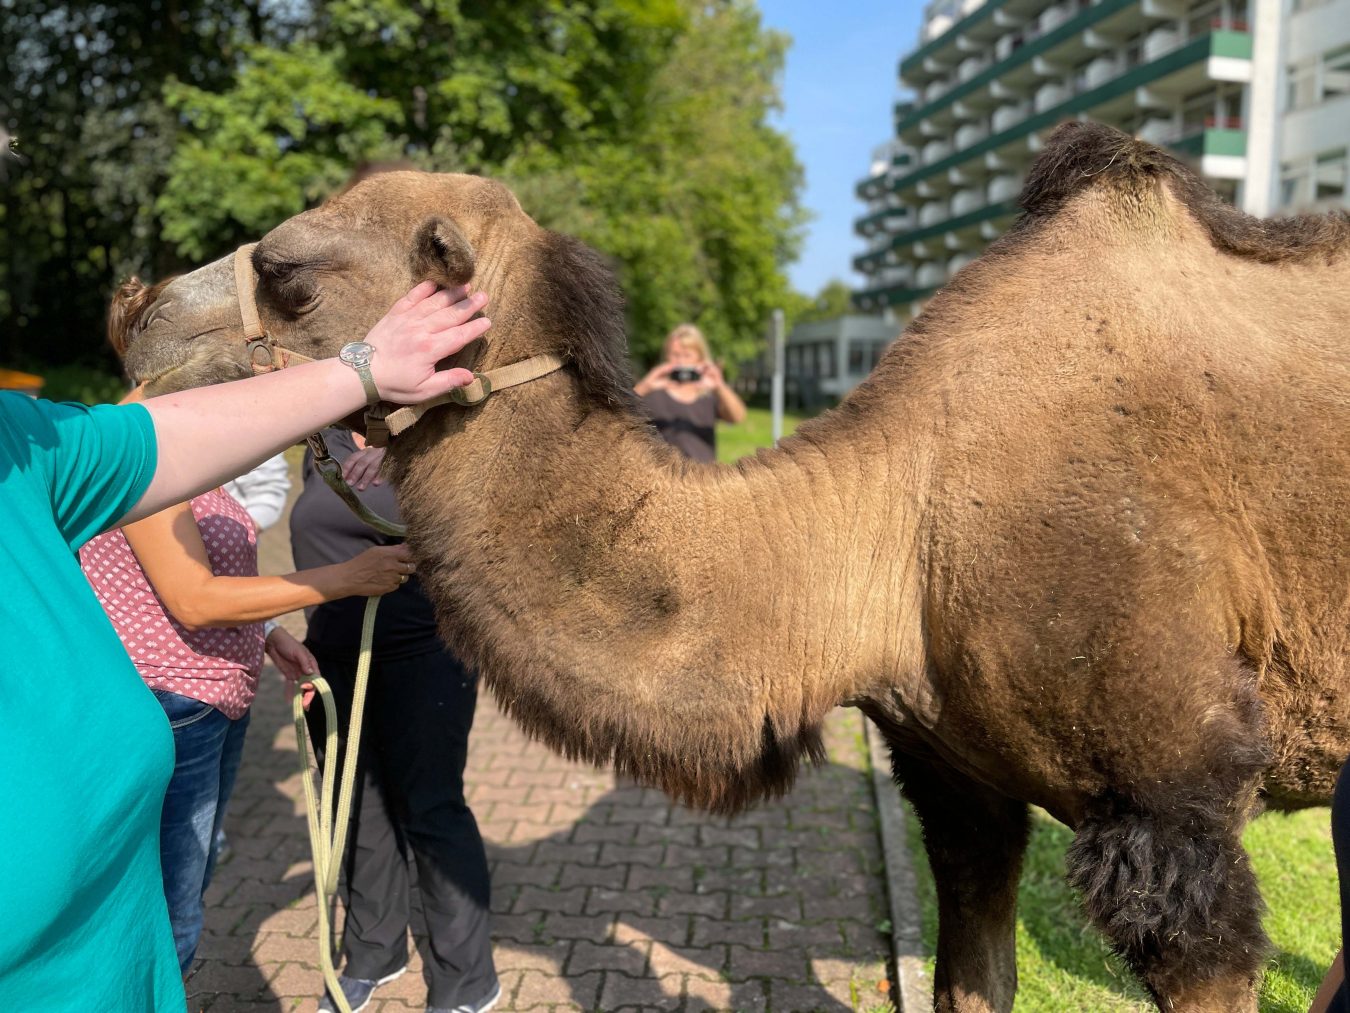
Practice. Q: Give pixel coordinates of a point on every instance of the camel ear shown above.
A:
(441, 253)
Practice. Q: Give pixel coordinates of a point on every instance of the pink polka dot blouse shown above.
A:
(219, 665)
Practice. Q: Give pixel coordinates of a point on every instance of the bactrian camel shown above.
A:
(1079, 541)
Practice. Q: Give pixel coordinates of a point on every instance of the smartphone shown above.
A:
(685, 374)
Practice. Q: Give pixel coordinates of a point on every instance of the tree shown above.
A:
(638, 125)
(82, 99)
(833, 300)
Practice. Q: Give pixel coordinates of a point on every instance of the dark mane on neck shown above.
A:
(581, 308)
(1080, 156)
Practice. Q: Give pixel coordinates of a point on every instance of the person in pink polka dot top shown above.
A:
(183, 592)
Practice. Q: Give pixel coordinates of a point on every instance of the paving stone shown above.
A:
(546, 957)
(706, 961)
(622, 992)
(536, 989)
(532, 898)
(788, 964)
(610, 877)
(631, 958)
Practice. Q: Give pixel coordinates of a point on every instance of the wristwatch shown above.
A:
(357, 354)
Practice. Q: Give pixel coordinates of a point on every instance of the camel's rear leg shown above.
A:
(1172, 888)
(975, 839)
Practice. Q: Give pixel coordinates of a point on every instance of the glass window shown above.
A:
(1329, 176)
(857, 358)
(825, 359)
(1336, 73)
(1303, 84)
(794, 360)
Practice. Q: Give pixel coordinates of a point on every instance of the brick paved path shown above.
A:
(605, 896)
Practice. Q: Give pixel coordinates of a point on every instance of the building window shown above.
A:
(1329, 176)
(857, 358)
(1320, 78)
(825, 360)
(1319, 181)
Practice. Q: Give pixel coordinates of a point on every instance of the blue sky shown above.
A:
(838, 91)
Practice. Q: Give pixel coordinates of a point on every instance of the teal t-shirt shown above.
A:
(85, 750)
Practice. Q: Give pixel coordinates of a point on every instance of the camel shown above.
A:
(1079, 541)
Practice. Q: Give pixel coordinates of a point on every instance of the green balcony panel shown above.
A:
(894, 295)
(916, 58)
(1237, 45)
(1213, 141)
(1023, 54)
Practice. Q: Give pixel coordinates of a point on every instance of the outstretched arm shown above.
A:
(211, 434)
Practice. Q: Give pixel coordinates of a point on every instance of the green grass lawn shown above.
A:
(755, 432)
(1064, 964)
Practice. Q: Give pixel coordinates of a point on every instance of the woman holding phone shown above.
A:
(685, 395)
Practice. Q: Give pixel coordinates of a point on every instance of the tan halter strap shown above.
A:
(266, 355)
(484, 384)
(262, 351)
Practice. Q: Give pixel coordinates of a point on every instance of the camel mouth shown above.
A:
(134, 306)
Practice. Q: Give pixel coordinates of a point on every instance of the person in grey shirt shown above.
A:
(409, 806)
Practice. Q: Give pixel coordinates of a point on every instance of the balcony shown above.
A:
(931, 275)
(1024, 46)
(971, 133)
(1191, 56)
(1004, 188)
(886, 219)
(1005, 116)
(1159, 42)
(916, 65)
(932, 213)
(966, 201)
(933, 151)
(1050, 95)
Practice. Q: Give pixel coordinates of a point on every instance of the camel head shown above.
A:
(324, 277)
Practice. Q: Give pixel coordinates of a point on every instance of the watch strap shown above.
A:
(368, 382)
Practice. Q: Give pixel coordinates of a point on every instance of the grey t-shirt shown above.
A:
(324, 531)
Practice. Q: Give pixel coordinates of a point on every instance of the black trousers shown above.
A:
(410, 823)
(1340, 839)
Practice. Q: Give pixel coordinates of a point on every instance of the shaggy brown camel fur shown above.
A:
(1079, 541)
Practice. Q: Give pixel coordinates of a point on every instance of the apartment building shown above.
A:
(1255, 93)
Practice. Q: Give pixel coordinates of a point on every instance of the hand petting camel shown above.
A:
(1080, 540)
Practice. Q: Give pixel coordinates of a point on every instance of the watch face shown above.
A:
(356, 353)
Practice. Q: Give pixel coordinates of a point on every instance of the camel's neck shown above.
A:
(692, 624)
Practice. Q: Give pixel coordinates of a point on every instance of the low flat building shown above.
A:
(825, 359)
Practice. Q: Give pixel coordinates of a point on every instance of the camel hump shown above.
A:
(1080, 157)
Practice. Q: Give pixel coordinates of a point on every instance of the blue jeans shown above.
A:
(207, 748)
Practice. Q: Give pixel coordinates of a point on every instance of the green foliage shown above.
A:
(833, 300)
(86, 384)
(82, 97)
(161, 133)
(1064, 963)
(283, 137)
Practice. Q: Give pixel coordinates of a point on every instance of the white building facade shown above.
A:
(1256, 93)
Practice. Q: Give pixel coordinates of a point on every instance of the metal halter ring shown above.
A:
(268, 359)
(459, 396)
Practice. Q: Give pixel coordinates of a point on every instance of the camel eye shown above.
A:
(293, 288)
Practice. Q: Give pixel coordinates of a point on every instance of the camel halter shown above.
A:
(265, 355)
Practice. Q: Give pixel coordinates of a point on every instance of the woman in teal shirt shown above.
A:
(85, 751)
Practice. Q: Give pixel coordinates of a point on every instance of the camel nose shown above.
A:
(126, 312)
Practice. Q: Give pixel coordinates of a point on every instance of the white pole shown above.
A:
(776, 392)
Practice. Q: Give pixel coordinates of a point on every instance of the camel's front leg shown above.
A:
(975, 838)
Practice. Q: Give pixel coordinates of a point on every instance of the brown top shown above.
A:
(687, 427)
